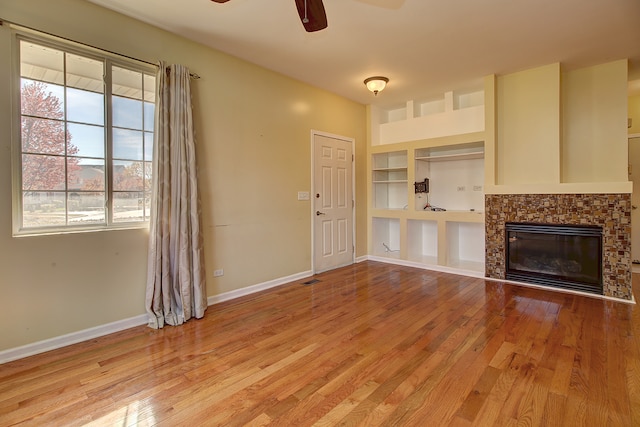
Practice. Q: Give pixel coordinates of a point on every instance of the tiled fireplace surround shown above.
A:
(612, 212)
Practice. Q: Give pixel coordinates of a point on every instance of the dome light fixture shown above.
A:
(376, 84)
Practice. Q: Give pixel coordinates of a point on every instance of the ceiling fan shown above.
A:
(311, 14)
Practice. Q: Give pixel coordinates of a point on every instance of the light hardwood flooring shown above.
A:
(369, 344)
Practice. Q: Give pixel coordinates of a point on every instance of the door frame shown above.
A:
(312, 211)
(635, 190)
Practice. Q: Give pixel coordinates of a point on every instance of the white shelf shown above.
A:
(395, 160)
(389, 180)
(452, 157)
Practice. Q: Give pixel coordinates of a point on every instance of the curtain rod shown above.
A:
(20, 26)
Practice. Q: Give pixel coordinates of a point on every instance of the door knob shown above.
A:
(318, 213)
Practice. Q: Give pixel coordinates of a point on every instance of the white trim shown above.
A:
(362, 258)
(479, 275)
(432, 267)
(216, 299)
(72, 338)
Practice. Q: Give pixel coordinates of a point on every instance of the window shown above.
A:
(86, 139)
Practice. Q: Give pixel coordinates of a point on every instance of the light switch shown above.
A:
(303, 195)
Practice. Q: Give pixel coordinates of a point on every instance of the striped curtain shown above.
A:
(176, 288)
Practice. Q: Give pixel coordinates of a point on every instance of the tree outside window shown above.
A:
(75, 172)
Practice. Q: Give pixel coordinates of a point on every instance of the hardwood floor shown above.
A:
(370, 344)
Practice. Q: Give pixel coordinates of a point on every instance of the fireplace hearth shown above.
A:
(564, 256)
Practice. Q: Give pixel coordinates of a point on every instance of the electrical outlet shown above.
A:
(218, 273)
(477, 188)
(461, 188)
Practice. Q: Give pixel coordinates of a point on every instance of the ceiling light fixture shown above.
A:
(376, 84)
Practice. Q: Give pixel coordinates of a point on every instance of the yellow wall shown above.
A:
(594, 144)
(561, 132)
(528, 126)
(634, 114)
(253, 131)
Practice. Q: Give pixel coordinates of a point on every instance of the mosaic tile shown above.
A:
(612, 212)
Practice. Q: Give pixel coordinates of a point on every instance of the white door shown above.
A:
(634, 176)
(333, 204)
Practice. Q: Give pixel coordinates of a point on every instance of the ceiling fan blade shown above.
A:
(312, 15)
(220, 1)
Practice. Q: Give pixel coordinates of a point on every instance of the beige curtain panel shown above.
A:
(176, 288)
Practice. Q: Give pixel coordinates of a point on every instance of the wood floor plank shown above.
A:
(369, 344)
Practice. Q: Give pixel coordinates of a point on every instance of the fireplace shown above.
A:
(564, 256)
(611, 212)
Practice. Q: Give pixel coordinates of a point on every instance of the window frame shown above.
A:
(109, 60)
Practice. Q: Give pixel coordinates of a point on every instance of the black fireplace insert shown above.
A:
(565, 256)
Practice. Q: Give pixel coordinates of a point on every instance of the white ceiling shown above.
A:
(425, 47)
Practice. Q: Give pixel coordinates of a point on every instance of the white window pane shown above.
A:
(41, 99)
(42, 136)
(147, 205)
(127, 144)
(127, 113)
(42, 173)
(85, 140)
(149, 88)
(129, 206)
(85, 107)
(126, 83)
(148, 146)
(148, 174)
(128, 176)
(85, 174)
(86, 208)
(85, 73)
(43, 209)
(149, 112)
(41, 63)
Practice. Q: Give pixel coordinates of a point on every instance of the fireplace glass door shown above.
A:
(552, 255)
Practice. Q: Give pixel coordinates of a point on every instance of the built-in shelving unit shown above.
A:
(422, 241)
(456, 177)
(453, 163)
(386, 237)
(465, 245)
(454, 113)
(389, 180)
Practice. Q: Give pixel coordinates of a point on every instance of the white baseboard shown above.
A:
(120, 325)
(72, 338)
(257, 288)
(439, 268)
